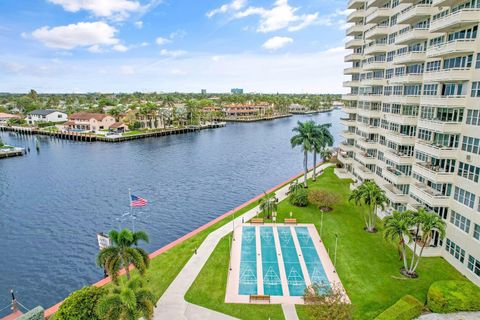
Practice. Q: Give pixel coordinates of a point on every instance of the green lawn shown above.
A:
(208, 290)
(367, 265)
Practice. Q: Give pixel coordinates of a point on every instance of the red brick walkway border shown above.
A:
(50, 311)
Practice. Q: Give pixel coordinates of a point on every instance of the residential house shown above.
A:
(86, 121)
(47, 115)
(4, 117)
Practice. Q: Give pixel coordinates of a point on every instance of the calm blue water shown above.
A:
(310, 255)
(53, 203)
(248, 263)
(293, 270)
(272, 284)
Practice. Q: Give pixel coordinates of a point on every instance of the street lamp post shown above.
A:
(335, 255)
(321, 224)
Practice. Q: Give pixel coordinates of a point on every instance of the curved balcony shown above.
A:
(454, 74)
(363, 172)
(440, 126)
(351, 83)
(378, 14)
(394, 195)
(429, 195)
(457, 19)
(354, 43)
(398, 157)
(412, 36)
(377, 32)
(404, 99)
(352, 70)
(396, 176)
(434, 173)
(409, 57)
(348, 134)
(435, 150)
(376, 65)
(417, 13)
(353, 57)
(373, 82)
(348, 122)
(356, 29)
(355, 4)
(356, 16)
(350, 97)
(344, 158)
(365, 158)
(399, 138)
(407, 78)
(376, 48)
(454, 47)
(451, 101)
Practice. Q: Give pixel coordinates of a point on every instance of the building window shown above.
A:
(474, 265)
(473, 117)
(464, 197)
(470, 144)
(476, 231)
(468, 171)
(475, 89)
(460, 221)
(455, 250)
(477, 63)
(430, 89)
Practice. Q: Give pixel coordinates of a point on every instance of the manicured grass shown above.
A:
(367, 265)
(208, 290)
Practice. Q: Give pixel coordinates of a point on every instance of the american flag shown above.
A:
(137, 201)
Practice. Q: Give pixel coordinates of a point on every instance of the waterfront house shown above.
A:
(4, 117)
(47, 115)
(297, 108)
(249, 109)
(87, 121)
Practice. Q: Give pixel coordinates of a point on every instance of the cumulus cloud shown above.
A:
(138, 24)
(119, 9)
(120, 48)
(276, 43)
(82, 34)
(162, 41)
(172, 53)
(231, 6)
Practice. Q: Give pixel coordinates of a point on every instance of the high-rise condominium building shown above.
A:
(413, 114)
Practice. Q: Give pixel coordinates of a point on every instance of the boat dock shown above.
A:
(89, 137)
(254, 119)
(14, 152)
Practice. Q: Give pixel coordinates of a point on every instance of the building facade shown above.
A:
(86, 121)
(47, 115)
(413, 114)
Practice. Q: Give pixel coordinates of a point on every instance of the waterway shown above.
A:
(53, 202)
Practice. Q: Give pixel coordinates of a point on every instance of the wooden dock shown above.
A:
(254, 119)
(89, 137)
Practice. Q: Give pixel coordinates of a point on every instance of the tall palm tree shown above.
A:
(323, 138)
(305, 137)
(268, 204)
(129, 301)
(397, 228)
(429, 223)
(370, 194)
(123, 252)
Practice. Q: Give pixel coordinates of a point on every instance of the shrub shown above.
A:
(452, 296)
(81, 304)
(134, 126)
(1, 143)
(326, 303)
(407, 308)
(323, 199)
(299, 198)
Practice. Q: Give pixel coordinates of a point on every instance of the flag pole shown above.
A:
(131, 208)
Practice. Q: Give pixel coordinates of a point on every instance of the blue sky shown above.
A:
(172, 45)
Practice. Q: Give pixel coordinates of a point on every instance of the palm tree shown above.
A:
(304, 138)
(429, 223)
(371, 195)
(323, 138)
(268, 204)
(397, 227)
(123, 252)
(129, 301)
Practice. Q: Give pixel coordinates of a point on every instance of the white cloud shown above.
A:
(144, 44)
(235, 5)
(96, 49)
(119, 9)
(177, 72)
(172, 53)
(162, 41)
(82, 34)
(178, 34)
(276, 43)
(120, 48)
(138, 24)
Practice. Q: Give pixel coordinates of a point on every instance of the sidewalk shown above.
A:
(172, 304)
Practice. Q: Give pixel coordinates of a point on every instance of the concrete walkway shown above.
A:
(289, 312)
(451, 316)
(172, 304)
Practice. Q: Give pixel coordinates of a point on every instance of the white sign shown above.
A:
(103, 241)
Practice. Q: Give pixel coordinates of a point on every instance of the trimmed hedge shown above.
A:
(453, 296)
(407, 308)
(299, 198)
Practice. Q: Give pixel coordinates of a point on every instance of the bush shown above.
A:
(407, 308)
(453, 296)
(81, 304)
(326, 303)
(48, 124)
(299, 198)
(323, 199)
(134, 126)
